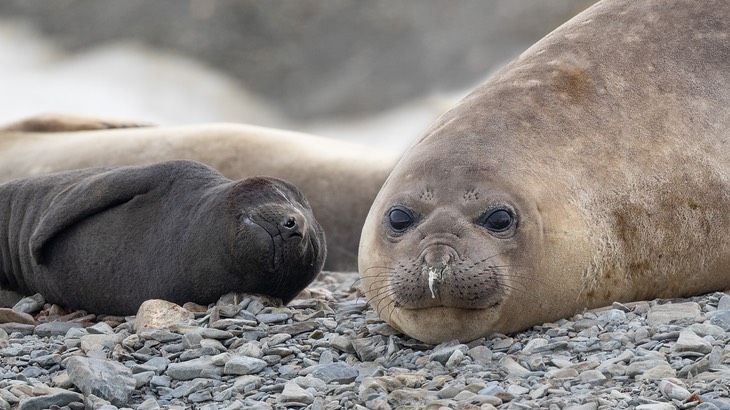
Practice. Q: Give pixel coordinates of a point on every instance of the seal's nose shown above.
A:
(291, 227)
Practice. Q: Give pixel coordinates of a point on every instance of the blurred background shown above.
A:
(373, 71)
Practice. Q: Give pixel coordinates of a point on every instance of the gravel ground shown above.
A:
(328, 350)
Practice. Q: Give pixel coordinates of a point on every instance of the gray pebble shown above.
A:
(191, 369)
(243, 365)
(30, 304)
(59, 398)
(722, 320)
(294, 393)
(107, 379)
(724, 303)
(336, 372)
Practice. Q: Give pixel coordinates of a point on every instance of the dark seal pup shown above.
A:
(107, 239)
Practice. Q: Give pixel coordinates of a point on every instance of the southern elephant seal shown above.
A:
(339, 179)
(107, 239)
(593, 168)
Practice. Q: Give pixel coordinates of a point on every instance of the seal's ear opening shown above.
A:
(90, 196)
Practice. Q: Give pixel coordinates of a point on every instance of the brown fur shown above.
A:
(610, 137)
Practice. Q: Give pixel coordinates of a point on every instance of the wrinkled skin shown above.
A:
(107, 239)
(594, 168)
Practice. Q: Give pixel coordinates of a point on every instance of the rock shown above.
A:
(192, 369)
(149, 404)
(243, 365)
(160, 335)
(101, 328)
(706, 406)
(639, 367)
(94, 402)
(517, 390)
(663, 371)
(567, 373)
(724, 303)
(534, 344)
(512, 368)
(109, 380)
(30, 304)
(336, 372)
(17, 327)
(673, 313)
(480, 354)
(455, 359)
(160, 314)
(342, 343)
(443, 354)
(55, 328)
(310, 382)
(656, 406)
(8, 315)
(585, 406)
(673, 391)
(91, 343)
(293, 393)
(294, 328)
(371, 348)
(591, 376)
(58, 397)
(272, 317)
(722, 319)
(142, 378)
(689, 342)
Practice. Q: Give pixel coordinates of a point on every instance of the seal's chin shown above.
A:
(440, 324)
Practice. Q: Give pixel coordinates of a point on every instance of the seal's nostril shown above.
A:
(291, 228)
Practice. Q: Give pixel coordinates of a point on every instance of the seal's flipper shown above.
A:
(69, 123)
(90, 196)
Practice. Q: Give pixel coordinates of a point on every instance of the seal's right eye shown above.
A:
(400, 219)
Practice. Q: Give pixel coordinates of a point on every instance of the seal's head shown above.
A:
(277, 236)
(441, 260)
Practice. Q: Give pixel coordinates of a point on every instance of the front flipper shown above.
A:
(93, 195)
(69, 123)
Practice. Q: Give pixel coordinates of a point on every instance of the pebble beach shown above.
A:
(329, 350)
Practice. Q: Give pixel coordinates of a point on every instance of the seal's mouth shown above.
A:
(267, 232)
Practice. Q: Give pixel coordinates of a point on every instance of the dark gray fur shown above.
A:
(107, 239)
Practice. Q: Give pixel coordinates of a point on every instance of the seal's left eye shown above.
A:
(399, 219)
(499, 220)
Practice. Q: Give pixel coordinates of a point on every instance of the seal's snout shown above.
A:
(436, 275)
(436, 266)
(291, 227)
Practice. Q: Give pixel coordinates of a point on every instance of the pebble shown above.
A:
(243, 365)
(293, 393)
(59, 398)
(336, 372)
(8, 315)
(107, 379)
(327, 350)
(30, 304)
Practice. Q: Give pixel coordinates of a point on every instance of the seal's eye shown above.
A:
(400, 219)
(498, 220)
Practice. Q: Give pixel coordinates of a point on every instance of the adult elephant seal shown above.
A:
(340, 179)
(594, 168)
(106, 240)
